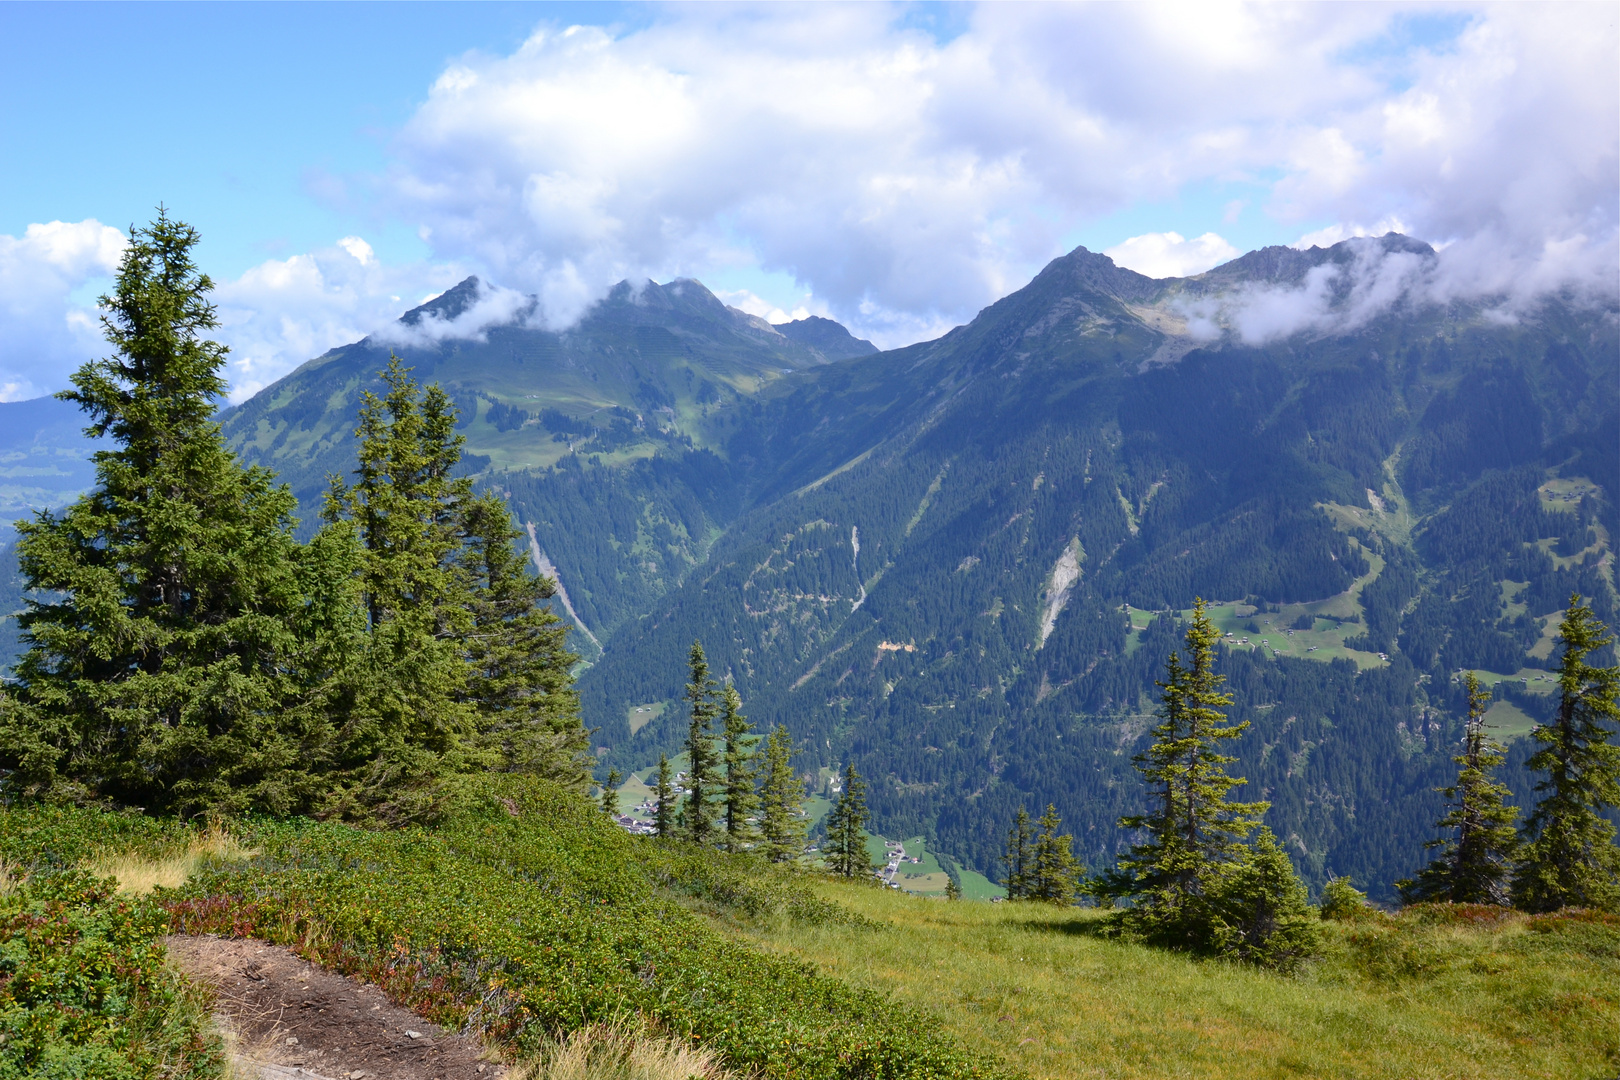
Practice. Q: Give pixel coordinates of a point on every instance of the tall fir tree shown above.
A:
(741, 771)
(1197, 884)
(1195, 833)
(1017, 856)
(781, 796)
(519, 676)
(1570, 858)
(664, 800)
(407, 721)
(846, 829)
(699, 811)
(1055, 875)
(1476, 860)
(167, 629)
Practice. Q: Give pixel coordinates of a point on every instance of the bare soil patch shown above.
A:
(291, 1018)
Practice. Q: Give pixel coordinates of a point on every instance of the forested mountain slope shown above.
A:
(603, 433)
(947, 575)
(960, 563)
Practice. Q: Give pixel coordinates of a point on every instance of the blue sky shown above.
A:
(893, 166)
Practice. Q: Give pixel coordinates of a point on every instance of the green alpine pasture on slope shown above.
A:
(1435, 993)
(549, 920)
(527, 914)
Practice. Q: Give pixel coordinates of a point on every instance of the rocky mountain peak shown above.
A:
(448, 305)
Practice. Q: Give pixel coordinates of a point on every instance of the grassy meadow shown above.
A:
(1432, 993)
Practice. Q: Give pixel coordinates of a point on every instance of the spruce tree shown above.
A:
(781, 796)
(1476, 860)
(519, 668)
(740, 798)
(846, 829)
(1016, 856)
(953, 891)
(698, 813)
(407, 720)
(1195, 834)
(1056, 873)
(664, 800)
(166, 632)
(1570, 858)
(1261, 911)
(610, 793)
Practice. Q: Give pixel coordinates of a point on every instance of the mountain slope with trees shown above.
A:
(944, 577)
(960, 564)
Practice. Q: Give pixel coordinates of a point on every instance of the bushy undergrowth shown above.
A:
(46, 838)
(526, 915)
(84, 993)
(739, 886)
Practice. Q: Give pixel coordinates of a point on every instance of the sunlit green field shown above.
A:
(1507, 996)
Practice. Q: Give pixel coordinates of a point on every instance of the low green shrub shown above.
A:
(526, 915)
(740, 885)
(1342, 901)
(36, 837)
(84, 993)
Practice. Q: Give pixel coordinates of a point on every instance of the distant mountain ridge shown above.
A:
(959, 563)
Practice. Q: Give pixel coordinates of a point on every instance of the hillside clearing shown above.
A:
(1508, 996)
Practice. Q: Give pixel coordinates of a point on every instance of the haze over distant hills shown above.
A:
(958, 563)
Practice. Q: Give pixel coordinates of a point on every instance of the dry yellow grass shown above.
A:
(605, 1052)
(1033, 986)
(138, 873)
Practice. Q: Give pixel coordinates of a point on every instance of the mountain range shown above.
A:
(961, 564)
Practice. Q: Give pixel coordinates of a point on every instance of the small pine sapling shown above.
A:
(1263, 914)
(698, 812)
(610, 793)
(664, 800)
(1195, 835)
(1341, 900)
(1018, 856)
(1054, 877)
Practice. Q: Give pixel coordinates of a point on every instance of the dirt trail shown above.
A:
(291, 1019)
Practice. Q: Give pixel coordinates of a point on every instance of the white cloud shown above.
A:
(286, 311)
(46, 334)
(904, 183)
(1332, 234)
(907, 182)
(746, 300)
(1168, 254)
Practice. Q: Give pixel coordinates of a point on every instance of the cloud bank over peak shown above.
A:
(900, 182)
(907, 182)
(1171, 255)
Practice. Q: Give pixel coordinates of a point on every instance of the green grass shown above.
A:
(639, 716)
(1507, 721)
(524, 916)
(1324, 642)
(1488, 995)
(84, 989)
